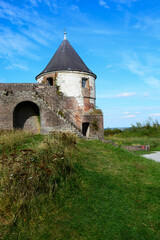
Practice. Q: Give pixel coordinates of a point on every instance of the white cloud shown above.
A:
(136, 68)
(124, 1)
(149, 25)
(2, 80)
(74, 7)
(39, 36)
(29, 30)
(13, 44)
(154, 82)
(103, 4)
(146, 94)
(126, 94)
(137, 112)
(129, 116)
(144, 66)
(108, 66)
(19, 66)
(126, 113)
(50, 3)
(154, 114)
(34, 2)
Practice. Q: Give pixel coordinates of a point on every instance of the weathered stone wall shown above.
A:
(137, 148)
(55, 111)
(95, 125)
(13, 94)
(71, 85)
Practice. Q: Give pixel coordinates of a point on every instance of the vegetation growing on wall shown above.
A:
(95, 125)
(96, 112)
(58, 91)
(61, 113)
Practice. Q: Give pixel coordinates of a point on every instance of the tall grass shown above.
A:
(147, 133)
(27, 173)
(9, 139)
(147, 128)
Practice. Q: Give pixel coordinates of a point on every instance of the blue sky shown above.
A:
(119, 40)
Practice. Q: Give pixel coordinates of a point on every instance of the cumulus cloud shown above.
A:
(103, 4)
(126, 94)
(129, 116)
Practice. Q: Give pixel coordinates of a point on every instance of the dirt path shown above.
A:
(154, 156)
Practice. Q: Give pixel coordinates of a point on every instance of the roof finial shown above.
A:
(65, 34)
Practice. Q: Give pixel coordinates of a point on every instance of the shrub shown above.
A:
(110, 131)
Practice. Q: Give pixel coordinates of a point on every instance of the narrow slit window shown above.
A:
(84, 82)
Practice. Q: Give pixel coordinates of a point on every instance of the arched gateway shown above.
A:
(26, 116)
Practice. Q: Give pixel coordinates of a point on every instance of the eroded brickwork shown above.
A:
(41, 108)
(13, 94)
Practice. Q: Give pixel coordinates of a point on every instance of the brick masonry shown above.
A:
(39, 108)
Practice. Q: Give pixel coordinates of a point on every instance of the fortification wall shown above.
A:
(39, 108)
(14, 93)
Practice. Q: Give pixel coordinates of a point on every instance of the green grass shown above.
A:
(154, 142)
(140, 134)
(111, 194)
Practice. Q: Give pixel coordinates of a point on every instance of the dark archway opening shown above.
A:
(50, 81)
(26, 116)
(85, 128)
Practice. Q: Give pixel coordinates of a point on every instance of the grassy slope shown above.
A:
(118, 198)
(113, 195)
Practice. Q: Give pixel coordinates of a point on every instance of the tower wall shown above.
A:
(70, 84)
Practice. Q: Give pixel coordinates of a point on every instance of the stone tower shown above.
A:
(67, 71)
(62, 100)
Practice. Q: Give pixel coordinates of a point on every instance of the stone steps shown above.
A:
(69, 126)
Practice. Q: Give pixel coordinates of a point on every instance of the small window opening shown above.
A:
(85, 128)
(50, 81)
(84, 82)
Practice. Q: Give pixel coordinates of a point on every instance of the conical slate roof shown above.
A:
(66, 58)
